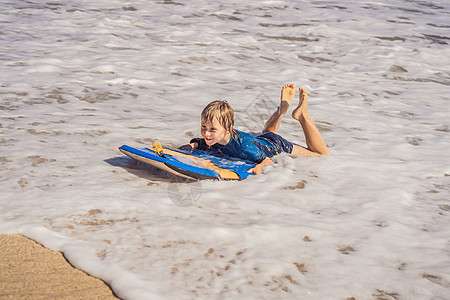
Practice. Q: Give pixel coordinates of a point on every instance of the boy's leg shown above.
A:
(314, 140)
(273, 123)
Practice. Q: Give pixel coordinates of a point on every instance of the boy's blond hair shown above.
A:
(222, 111)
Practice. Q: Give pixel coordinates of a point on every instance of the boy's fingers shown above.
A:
(250, 171)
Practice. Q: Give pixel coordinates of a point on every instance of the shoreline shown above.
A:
(29, 270)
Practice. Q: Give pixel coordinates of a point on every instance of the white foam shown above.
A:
(79, 80)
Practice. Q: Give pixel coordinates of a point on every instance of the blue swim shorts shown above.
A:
(274, 144)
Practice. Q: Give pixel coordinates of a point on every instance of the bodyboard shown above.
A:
(192, 164)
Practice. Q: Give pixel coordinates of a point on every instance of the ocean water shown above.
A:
(369, 221)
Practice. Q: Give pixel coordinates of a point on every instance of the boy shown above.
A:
(219, 136)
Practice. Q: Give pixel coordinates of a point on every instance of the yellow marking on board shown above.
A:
(223, 173)
(158, 148)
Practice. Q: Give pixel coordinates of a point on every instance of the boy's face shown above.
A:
(213, 133)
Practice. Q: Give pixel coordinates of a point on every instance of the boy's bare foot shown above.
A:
(302, 109)
(287, 93)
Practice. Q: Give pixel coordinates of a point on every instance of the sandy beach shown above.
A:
(31, 271)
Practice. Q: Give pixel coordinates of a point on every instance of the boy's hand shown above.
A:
(258, 169)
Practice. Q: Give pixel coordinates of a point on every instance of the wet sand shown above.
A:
(30, 271)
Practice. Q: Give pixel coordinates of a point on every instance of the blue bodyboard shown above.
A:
(193, 164)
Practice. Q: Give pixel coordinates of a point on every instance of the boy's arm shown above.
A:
(189, 146)
(259, 167)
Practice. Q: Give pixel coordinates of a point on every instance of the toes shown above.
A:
(302, 93)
